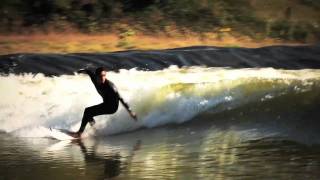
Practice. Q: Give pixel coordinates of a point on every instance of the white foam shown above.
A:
(30, 104)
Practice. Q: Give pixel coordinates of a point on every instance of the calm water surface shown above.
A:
(191, 151)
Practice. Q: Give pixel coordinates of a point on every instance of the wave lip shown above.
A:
(31, 104)
(281, 57)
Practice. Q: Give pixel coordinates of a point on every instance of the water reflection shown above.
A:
(112, 161)
(191, 151)
(95, 158)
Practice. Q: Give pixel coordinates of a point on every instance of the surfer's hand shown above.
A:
(82, 71)
(134, 116)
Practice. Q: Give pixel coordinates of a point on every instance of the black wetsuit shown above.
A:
(110, 104)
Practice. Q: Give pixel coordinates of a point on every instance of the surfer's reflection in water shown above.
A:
(112, 162)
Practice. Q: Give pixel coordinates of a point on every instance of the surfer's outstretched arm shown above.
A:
(132, 114)
(90, 73)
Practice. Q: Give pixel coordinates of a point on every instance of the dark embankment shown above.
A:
(282, 57)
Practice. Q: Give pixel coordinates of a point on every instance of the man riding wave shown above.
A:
(109, 94)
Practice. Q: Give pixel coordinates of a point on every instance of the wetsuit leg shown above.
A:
(92, 111)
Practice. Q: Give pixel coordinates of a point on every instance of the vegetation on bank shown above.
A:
(76, 43)
(207, 21)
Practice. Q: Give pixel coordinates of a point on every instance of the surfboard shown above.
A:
(62, 134)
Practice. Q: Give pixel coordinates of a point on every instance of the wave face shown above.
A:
(284, 57)
(30, 104)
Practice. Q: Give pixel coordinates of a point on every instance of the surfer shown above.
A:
(110, 97)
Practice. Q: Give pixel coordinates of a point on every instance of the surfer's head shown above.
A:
(101, 74)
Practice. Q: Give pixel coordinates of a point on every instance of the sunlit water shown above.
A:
(186, 152)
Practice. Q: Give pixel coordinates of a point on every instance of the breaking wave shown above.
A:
(31, 104)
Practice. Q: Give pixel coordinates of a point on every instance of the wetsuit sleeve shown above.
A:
(91, 75)
(124, 103)
(120, 98)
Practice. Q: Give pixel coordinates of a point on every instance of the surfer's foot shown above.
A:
(76, 134)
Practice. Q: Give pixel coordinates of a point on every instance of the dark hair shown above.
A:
(99, 70)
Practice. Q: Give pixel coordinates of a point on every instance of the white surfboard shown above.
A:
(61, 134)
